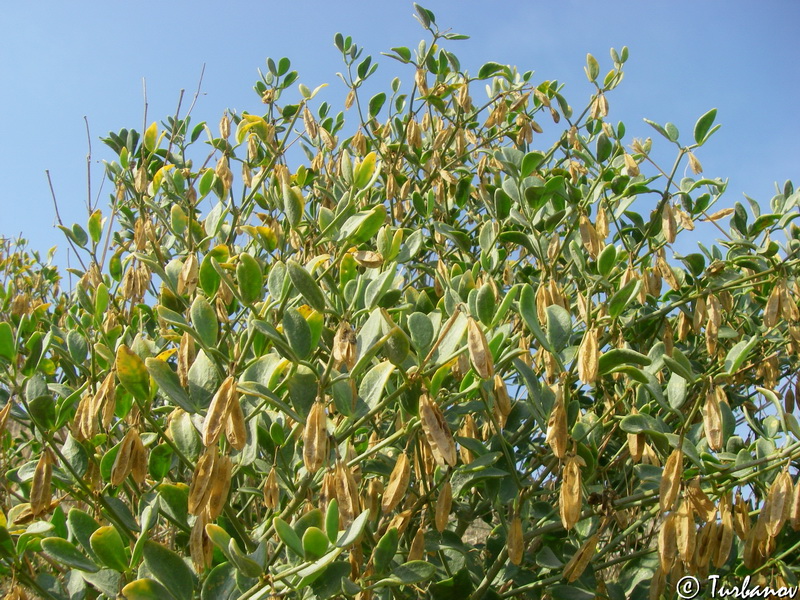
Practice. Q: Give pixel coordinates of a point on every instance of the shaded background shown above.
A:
(61, 62)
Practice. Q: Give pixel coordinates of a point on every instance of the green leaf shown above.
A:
(607, 260)
(559, 327)
(332, 520)
(414, 571)
(354, 531)
(527, 310)
(620, 356)
(738, 354)
(297, 331)
(315, 570)
(703, 125)
(622, 297)
(376, 104)
(132, 373)
(7, 348)
(219, 537)
(160, 461)
(204, 320)
(489, 69)
(315, 543)
(288, 536)
(658, 128)
(679, 364)
(81, 525)
(66, 553)
(95, 226)
(208, 277)
(107, 545)
(305, 283)
(403, 52)
(169, 383)
(592, 67)
(170, 570)
(422, 332)
(145, 589)
(250, 278)
(220, 583)
(150, 136)
(385, 550)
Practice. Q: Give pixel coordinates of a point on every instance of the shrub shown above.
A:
(427, 360)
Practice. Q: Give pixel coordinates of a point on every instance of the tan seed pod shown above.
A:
(373, 499)
(201, 481)
(272, 493)
(671, 480)
(705, 546)
(138, 459)
(516, 541)
(315, 438)
(570, 500)
(694, 164)
(345, 346)
(667, 543)
(588, 356)
(773, 307)
(220, 486)
(201, 548)
(346, 493)
(725, 533)
(235, 427)
(41, 492)
(398, 484)
(667, 273)
(4, 415)
(479, 353)
(668, 224)
(328, 488)
(368, 258)
(658, 584)
(123, 461)
(401, 520)
(468, 430)
(217, 415)
(701, 503)
(589, 237)
(437, 432)
(779, 499)
(557, 425)
(186, 355)
(789, 309)
(631, 167)
(636, 441)
(581, 559)
(741, 517)
(189, 275)
(443, 505)
(712, 421)
(794, 515)
(501, 397)
(417, 549)
(685, 531)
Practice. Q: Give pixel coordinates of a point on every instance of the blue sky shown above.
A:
(59, 63)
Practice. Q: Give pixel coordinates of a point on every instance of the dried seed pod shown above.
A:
(373, 499)
(398, 484)
(328, 488)
(345, 350)
(570, 500)
(217, 415)
(705, 548)
(557, 425)
(779, 499)
(667, 543)
(41, 492)
(725, 533)
(443, 505)
(4, 415)
(668, 225)
(631, 167)
(789, 309)
(671, 480)
(700, 501)
(417, 549)
(105, 399)
(272, 493)
(589, 237)
(186, 355)
(773, 307)
(479, 353)
(346, 493)
(658, 584)
(581, 559)
(468, 430)
(201, 548)
(516, 541)
(636, 441)
(437, 432)
(201, 481)
(741, 517)
(685, 532)
(235, 427)
(123, 461)
(220, 486)
(501, 397)
(315, 438)
(138, 459)
(794, 516)
(588, 356)
(189, 276)
(368, 258)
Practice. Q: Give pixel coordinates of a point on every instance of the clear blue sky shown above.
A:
(61, 61)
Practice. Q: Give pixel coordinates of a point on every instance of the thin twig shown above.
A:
(88, 167)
